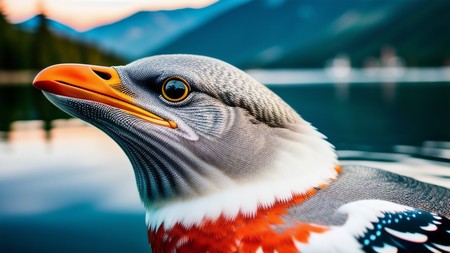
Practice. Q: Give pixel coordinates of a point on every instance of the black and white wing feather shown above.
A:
(407, 231)
(382, 226)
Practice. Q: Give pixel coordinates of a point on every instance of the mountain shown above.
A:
(141, 32)
(145, 31)
(55, 26)
(286, 34)
(260, 31)
(280, 33)
(415, 29)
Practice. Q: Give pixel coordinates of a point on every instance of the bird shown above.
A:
(222, 164)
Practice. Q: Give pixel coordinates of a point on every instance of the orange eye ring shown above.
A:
(175, 89)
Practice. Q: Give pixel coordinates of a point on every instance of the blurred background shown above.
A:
(372, 75)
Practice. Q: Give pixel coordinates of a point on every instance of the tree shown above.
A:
(4, 37)
(43, 45)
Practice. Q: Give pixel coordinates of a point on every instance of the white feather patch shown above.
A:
(361, 215)
(429, 227)
(442, 247)
(431, 249)
(334, 240)
(301, 164)
(386, 249)
(412, 237)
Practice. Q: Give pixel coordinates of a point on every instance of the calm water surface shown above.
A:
(66, 187)
(371, 115)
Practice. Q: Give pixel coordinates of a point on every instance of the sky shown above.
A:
(86, 14)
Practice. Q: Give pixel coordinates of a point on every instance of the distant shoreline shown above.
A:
(298, 76)
(17, 77)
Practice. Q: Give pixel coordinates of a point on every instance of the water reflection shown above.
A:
(63, 181)
(70, 189)
(44, 171)
(75, 163)
(74, 184)
(70, 162)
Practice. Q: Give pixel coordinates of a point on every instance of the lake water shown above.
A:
(66, 187)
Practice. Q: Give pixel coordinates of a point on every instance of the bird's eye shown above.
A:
(175, 89)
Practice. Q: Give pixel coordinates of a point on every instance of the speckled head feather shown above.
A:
(217, 79)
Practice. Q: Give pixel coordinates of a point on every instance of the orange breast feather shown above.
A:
(241, 234)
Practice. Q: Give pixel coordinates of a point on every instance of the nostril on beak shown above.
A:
(102, 75)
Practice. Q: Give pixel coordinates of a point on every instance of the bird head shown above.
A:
(195, 127)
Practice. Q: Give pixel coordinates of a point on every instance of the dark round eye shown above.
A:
(175, 89)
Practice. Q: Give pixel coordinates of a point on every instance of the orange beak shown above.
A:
(94, 83)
